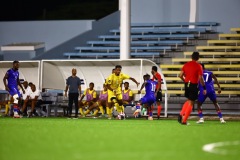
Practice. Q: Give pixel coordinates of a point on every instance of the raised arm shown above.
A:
(134, 80)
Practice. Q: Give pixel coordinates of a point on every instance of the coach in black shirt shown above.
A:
(74, 85)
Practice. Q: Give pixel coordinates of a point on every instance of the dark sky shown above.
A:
(27, 10)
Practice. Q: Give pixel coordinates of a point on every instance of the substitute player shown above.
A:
(208, 76)
(91, 98)
(11, 82)
(114, 85)
(101, 102)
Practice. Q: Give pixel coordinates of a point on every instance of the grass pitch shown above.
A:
(102, 139)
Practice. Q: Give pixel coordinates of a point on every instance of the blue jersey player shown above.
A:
(11, 82)
(208, 77)
(149, 98)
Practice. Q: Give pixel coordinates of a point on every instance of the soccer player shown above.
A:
(158, 91)
(127, 94)
(114, 85)
(191, 74)
(208, 76)
(91, 98)
(102, 102)
(11, 82)
(149, 98)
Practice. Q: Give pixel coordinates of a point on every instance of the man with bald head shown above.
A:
(73, 87)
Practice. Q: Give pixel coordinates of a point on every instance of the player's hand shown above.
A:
(204, 92)
(138, 84)
(23, 91)
(219, 90)
(7, 89)
(139, 92)
(65, 94)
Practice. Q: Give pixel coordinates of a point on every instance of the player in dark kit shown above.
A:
(149, 97)
(11, 82)
(208, 77)
(191, 74)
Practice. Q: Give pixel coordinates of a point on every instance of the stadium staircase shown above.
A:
(222, 56)
(148, 40)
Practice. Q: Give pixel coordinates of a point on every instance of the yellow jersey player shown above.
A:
(102, 102)
(114, 85)
(91, 98)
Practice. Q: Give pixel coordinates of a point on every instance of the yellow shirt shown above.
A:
(115, 82)
(130, 92)
(92, 92)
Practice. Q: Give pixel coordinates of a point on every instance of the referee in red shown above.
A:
(191, 74)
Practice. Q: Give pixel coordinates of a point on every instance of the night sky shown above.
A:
(27, 10)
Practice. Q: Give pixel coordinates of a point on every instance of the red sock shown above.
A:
(159, 110)
(185, 106)
(187, 113)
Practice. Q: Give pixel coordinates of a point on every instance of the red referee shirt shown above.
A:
(157, 77)
(192, 70)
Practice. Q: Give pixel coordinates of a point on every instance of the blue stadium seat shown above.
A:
(112, 54)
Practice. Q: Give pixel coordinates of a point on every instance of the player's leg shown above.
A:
(70, 104)
(213, 98)
(15, 106)
(81, 105)
(90, 108)
(201, 100)
(101, 104)
(159, 106)
(75, 99)
(193, 95)
(185, 105)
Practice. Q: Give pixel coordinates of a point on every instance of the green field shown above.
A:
(102, 139)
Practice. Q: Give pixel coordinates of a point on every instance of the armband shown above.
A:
(204, 87)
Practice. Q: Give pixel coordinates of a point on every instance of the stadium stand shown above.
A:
(146, 38)
(220, 56)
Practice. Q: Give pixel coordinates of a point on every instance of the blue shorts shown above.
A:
(148, 100)
(14, 90)
(210, 94)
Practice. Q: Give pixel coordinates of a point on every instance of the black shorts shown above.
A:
(191, 91)
(159, 96)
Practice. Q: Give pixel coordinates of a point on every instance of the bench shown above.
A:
(222, 93)
(234, 42)
(154, 36)
(235, 30)
(175, 24)
(146, 43)
(213, 54)
(134, 49)
(228, 36)
(224, 85)
(225, 48)
(212, 66)
(111, 54)
(165, 30)
(220, 79)
(237, 73)
(201, 60)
